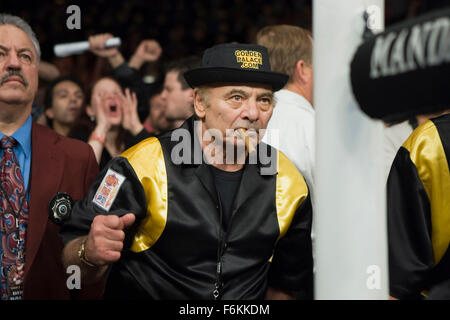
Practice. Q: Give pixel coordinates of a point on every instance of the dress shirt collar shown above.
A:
(23, 137)
(288, 96)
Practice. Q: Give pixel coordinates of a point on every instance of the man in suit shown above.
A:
(36, 165)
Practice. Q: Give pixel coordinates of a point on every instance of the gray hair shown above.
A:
(7, 19)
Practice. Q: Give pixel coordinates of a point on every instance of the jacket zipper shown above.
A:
(218, 285)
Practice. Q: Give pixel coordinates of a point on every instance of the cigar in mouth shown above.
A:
(248, 143)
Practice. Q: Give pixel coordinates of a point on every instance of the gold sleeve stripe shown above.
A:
(147, 160)
(428, 155)
(291, 191)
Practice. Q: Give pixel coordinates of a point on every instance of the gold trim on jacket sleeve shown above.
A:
(428, 155)
(147, 160)
(291, 191)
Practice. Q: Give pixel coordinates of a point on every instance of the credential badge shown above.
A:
(60, 207)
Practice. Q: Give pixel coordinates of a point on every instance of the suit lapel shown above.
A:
(254, 177)
(250, 183)
(205, 176)
(46, 173)
(203, 172)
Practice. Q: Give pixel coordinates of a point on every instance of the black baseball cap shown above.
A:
(235, 62)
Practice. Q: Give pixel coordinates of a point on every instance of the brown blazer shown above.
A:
(58, 164)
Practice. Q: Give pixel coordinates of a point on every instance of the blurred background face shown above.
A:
(178, 101)
(67, 100)
(105, 95)
(158, 119)
(18, 66)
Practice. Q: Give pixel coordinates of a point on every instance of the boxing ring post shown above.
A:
(350, 241)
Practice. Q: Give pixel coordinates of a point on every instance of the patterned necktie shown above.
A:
(14, 218)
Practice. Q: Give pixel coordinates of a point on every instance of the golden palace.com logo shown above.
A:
(248, 58)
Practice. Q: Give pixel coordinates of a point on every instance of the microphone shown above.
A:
(67, 49)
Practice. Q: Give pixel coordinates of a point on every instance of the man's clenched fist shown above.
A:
(105, 239)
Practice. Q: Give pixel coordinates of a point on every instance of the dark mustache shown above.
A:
(11, 73)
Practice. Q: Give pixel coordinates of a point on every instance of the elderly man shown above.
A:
(202, 212)
(41, 174)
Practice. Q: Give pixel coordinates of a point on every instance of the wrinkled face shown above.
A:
(178, 101)
(67, 102)
(157, 114)
(18, 67)
(105, 94)
(235, 106)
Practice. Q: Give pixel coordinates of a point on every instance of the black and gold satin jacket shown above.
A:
(419, 214)
(178, 248)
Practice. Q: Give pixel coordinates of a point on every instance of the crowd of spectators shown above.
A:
(181, 27)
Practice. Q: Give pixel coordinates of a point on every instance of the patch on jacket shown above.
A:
(108, 189)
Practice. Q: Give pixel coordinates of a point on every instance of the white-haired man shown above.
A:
(216, 215)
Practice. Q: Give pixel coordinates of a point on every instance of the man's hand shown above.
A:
(97, 46)
(105, 239)
(147, 51)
